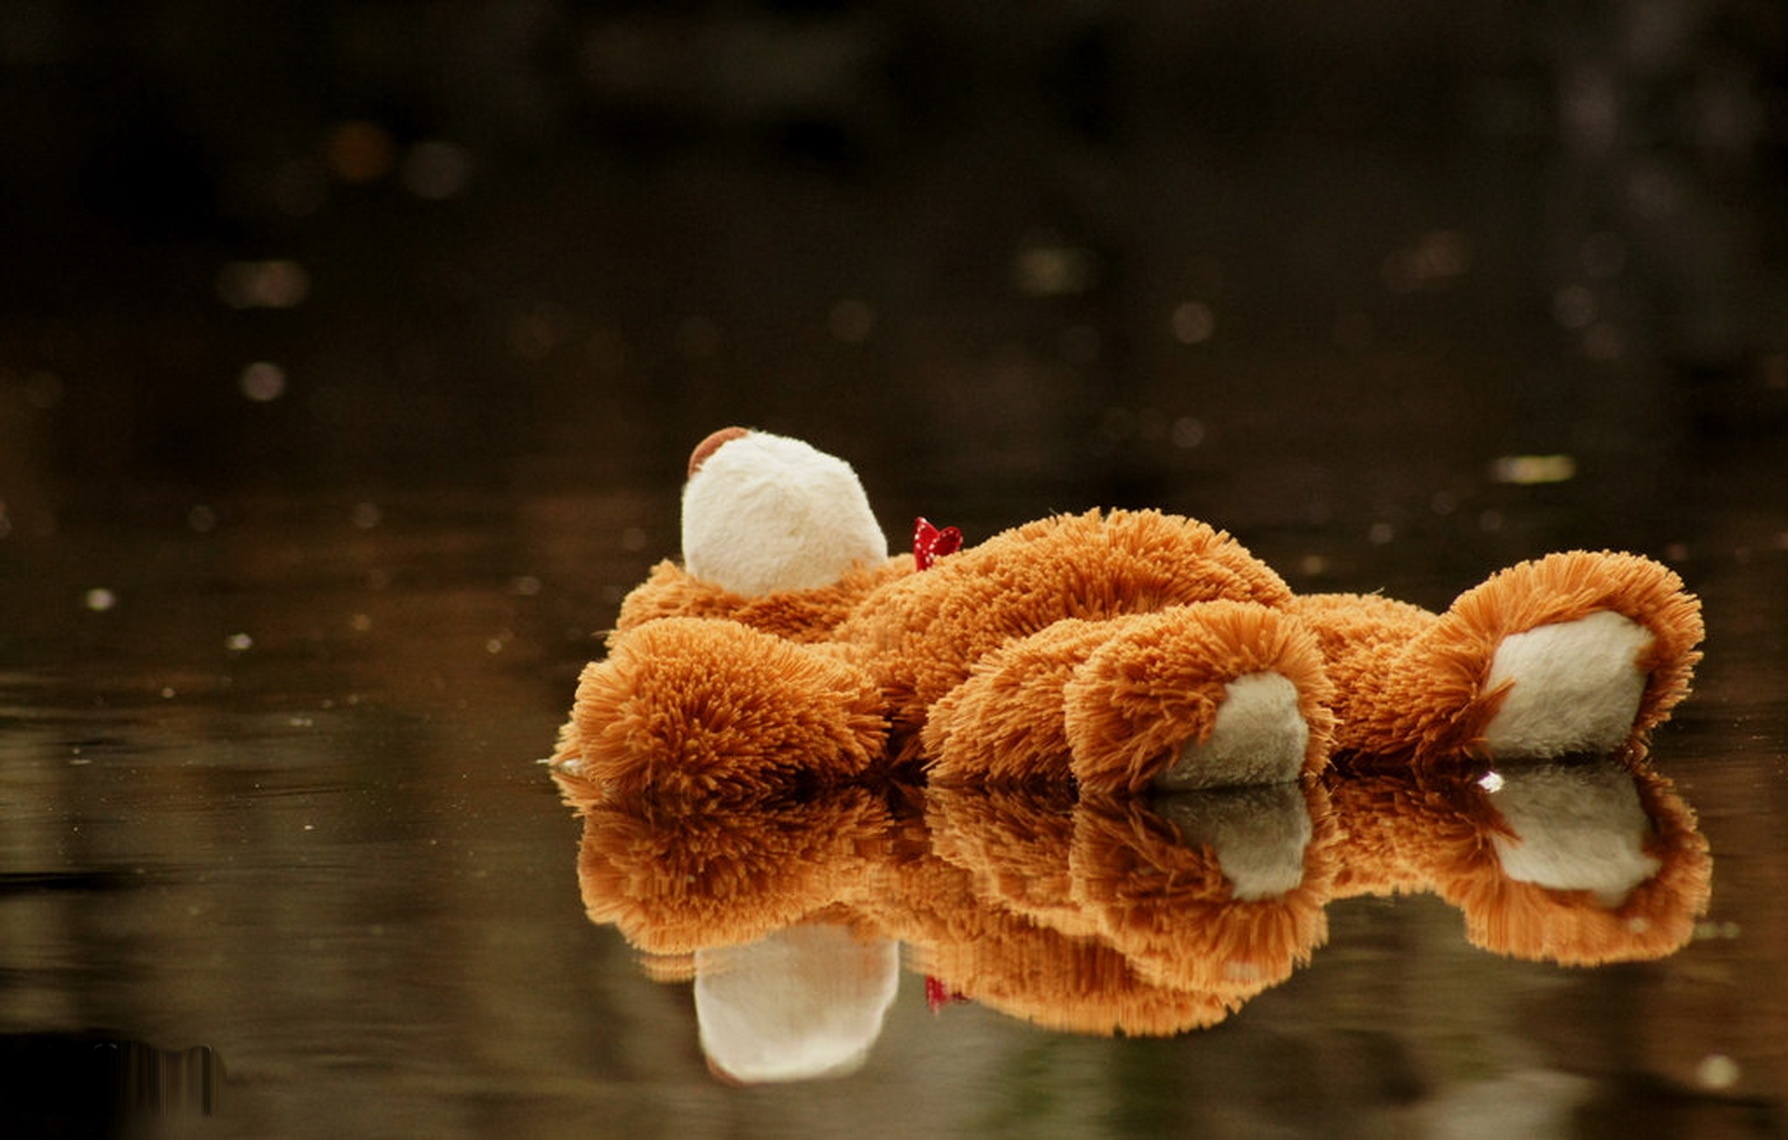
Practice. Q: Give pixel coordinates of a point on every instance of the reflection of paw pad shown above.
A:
(1574, 827)
(1258, 737)
(1573, 686)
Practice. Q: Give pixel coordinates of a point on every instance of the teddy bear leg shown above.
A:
(697, 707)
(1574, 652)
(1002, 727)
(1218, 694)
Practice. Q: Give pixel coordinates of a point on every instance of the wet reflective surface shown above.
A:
(271, 792)
(331, 427)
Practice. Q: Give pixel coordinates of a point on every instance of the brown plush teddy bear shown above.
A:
(1125, 651)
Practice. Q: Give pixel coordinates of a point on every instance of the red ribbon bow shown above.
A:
(931, 543)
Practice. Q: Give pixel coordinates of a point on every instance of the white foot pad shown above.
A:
(1259, 737)
(1577, 686)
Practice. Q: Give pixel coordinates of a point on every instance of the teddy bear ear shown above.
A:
(713, 443)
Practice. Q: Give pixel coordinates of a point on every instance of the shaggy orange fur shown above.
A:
(922, 634)
(1158, 684)
(704, 707)
(796, 615)
(678, 878)
(1409, 680)
(963, 931)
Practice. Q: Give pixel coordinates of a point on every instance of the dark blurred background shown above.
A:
(1305, 262)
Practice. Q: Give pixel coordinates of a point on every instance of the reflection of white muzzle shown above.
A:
(765, 513)
(804, 1002)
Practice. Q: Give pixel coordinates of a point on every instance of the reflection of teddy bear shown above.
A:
(1126, 650)
(1579, 861)
(979, 935)
(788, 913)
(792, 916)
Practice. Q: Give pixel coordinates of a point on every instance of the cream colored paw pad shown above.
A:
(1258, 737)
(1576, 686)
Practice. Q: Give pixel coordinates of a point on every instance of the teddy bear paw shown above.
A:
(1223, 694)
(1259, 736)
(1571, 686)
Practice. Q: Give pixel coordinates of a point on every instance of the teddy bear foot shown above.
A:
(1214, 695)
(1573, 686)
(1573, 652)
(1259, 736)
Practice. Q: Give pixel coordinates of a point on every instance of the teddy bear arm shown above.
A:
(1003, 726)
(1210, 695)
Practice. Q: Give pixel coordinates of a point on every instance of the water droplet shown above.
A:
(1187, 432)
(436, 170)
(1574, 307)
(277, 283)
(1524, 470)
(359, 151)
(1047, 266)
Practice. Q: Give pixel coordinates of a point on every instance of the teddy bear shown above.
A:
(1119, 652)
